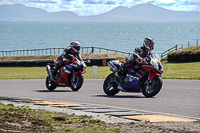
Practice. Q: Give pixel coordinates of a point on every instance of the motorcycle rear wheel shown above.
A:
(49, 84)
(77, 84)
(110, 86)
(152, 89)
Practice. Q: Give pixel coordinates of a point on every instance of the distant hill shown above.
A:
(144, 12)
(20, 12)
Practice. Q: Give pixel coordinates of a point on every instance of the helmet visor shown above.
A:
(77, 48)
(152, 46)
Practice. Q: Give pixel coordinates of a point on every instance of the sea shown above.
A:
(121, 36)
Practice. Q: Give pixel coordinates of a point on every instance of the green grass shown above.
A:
(181, 70)
(22, 72)
(171, 71)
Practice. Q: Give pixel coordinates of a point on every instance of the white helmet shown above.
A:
(149, 43)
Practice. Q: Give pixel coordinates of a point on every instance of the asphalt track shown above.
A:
(178, 97)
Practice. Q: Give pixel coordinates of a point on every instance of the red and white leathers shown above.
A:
(66, 58)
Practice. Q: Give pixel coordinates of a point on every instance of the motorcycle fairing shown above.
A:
(120, 62)
(63, 80)
(152, 75)
(69, 68)
(117, 63)
(133, 82)
(151, 68)
(77, 72)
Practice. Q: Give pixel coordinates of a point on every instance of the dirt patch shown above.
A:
(102, 55)
(53, 57)
(28, 124)
(33, 126)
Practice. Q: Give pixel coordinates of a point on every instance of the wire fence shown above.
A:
(85, 50)
(179, 47)
(58, 51)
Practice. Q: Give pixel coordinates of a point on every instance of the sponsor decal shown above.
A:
(155, 63)
(131, 78)
(62, 84)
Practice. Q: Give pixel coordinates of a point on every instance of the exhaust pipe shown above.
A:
(112, 66)
(48, 69)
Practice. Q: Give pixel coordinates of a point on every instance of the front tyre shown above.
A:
(110, 86)
(49, 84)
(152, 89)
(77, 84)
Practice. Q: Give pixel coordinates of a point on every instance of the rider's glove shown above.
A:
(147, 59)
(66, 61)
(70, 56)
(142, 61)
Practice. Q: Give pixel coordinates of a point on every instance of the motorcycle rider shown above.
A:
(138, 57)
(67, 57)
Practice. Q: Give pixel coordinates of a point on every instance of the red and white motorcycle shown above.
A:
(63, 79)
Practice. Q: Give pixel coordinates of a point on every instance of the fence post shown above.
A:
(92, 50)
(188, 44)
(197, 42)
(176, 47)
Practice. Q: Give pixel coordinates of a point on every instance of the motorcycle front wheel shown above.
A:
(49, 84)
(152, 89)
(77, 84)
(110, 86)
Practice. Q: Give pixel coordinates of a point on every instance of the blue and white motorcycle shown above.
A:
(146, 80)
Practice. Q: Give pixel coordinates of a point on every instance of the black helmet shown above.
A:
(149, 43)
(75, 46)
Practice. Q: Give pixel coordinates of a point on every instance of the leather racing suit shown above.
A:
(134, 62)
(66, 58)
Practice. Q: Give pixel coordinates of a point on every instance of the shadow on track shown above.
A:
(46, 91)
(120, 96)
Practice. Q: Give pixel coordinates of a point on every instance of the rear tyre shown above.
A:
(152, 89)
(77, 84)
(110, 86)
(50, 85)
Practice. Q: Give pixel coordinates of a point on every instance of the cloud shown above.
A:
(181, 5)
(94, 7)
(108, 2)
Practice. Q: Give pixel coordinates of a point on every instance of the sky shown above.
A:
(95, 7)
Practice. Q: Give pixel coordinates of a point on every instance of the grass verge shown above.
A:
(181, 70)
(171, 71)
(23, 119)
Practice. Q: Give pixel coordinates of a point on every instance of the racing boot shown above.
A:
(121, 74)
(53, 74)
(52, 78)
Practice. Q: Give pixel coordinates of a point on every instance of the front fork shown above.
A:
(149, 82)
(148, 79)
(116, 80)
(73, 77)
